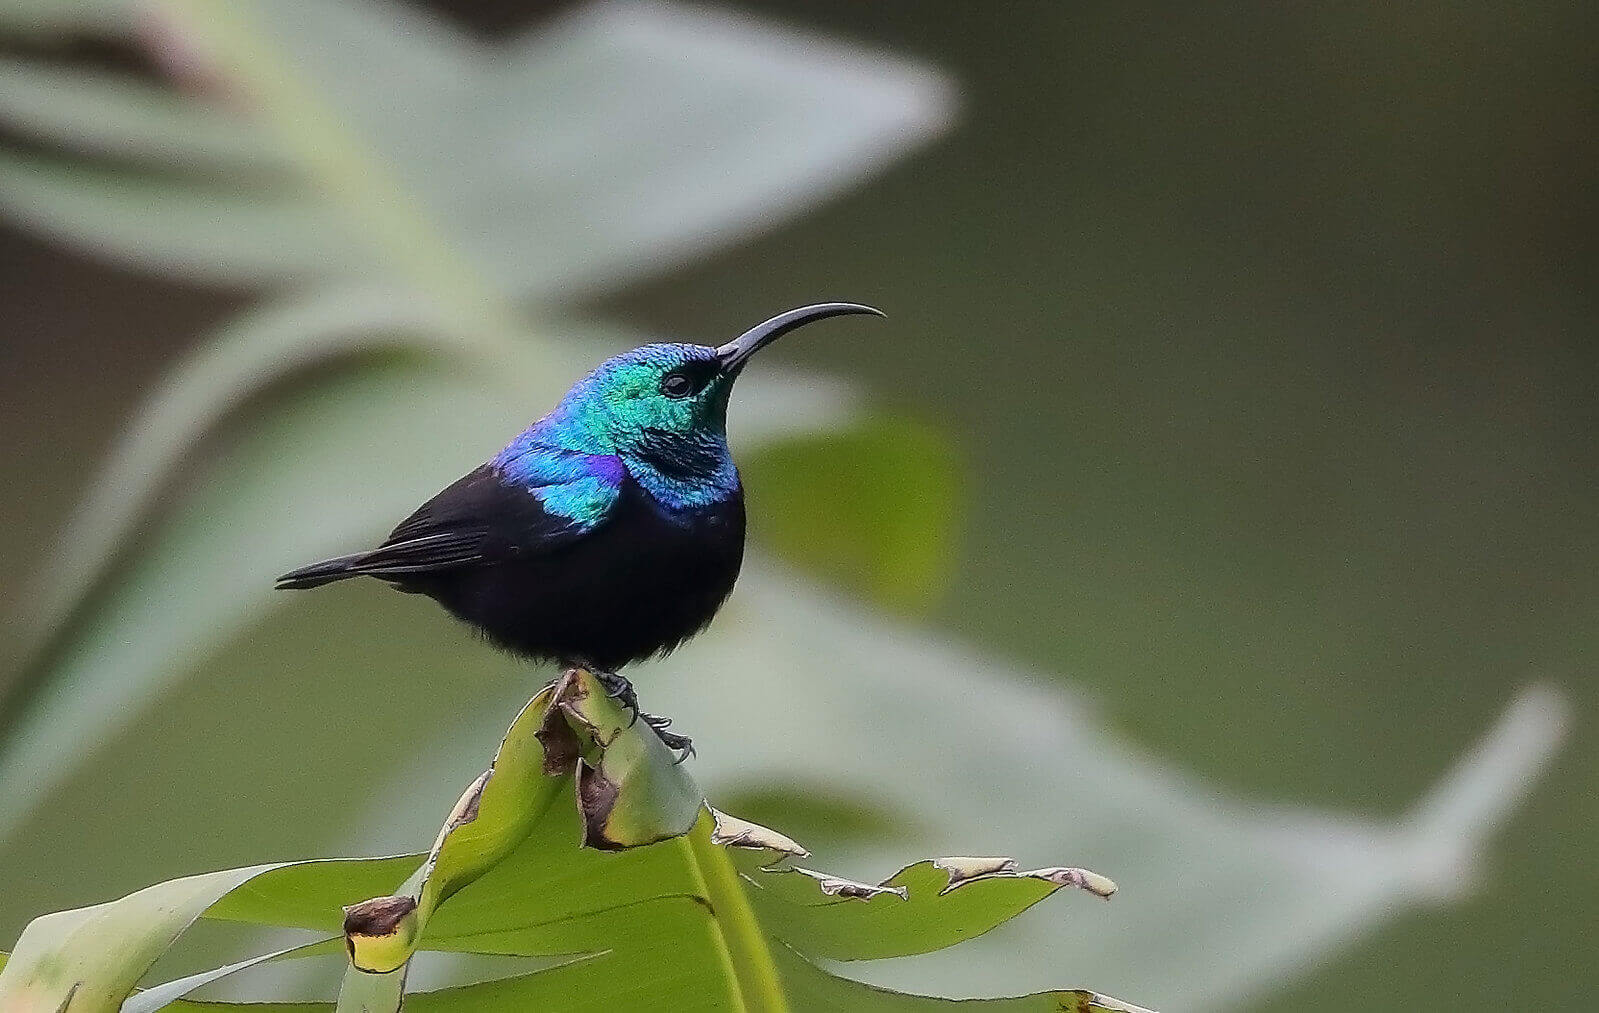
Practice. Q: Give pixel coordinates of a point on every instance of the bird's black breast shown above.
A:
(637, 585)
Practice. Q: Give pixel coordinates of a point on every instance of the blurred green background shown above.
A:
(1265, 336)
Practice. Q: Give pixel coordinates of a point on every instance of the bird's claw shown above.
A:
(672, 740)
(619, 689)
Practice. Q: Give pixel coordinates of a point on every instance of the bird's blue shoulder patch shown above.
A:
(580, 487)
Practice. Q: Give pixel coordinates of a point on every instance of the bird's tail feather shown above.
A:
(325, 572)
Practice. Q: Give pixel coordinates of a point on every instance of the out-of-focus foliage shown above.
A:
(409, 231)
(890, 489)
(361, 139)
(699, 909)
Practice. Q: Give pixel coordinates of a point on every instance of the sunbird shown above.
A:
(611, 530)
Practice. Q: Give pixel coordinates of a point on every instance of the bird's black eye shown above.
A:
(678, 384)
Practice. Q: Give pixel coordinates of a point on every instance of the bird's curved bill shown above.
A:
(735, 353)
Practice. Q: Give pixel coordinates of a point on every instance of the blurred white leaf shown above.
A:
(221, 232)
(99, 113)
(244, 358)
(614, 142)
(698, 127)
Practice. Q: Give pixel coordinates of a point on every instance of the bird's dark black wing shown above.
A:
(480, 518)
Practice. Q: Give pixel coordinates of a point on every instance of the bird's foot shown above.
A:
(672, 740)
(619, 689)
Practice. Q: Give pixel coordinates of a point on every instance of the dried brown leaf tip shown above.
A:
(379, 933)
(835, 886)
(971, 870)
(596, 797)
(1082, 879)
(732, 832)
(561, 745)
(1092, 1002)
(465, 810)
(629, 793)
(964, 870)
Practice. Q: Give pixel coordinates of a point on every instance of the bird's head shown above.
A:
(665, 405)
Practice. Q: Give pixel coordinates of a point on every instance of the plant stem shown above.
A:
(751, 969)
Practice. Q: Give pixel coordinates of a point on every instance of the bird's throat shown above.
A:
(684, 473)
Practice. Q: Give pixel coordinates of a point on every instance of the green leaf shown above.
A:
(632, 905)
(630, 792)
(371, 993)
(91, 958)
(923, 907)
(312, 895)
(495, 814)
(815, 990)
(892, 489)
(169, 995)
(660, 894)
(193, 1006)
(637, 906)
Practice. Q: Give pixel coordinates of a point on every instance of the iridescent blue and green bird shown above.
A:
(609, 531)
